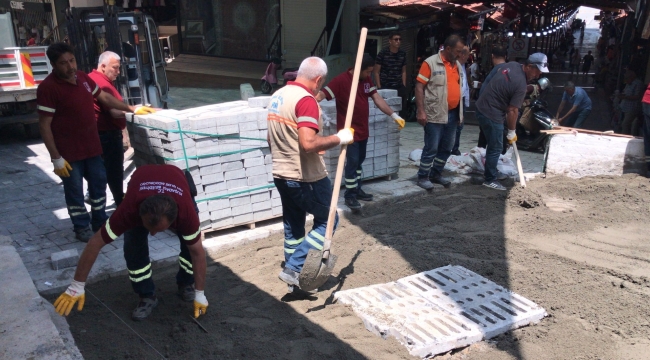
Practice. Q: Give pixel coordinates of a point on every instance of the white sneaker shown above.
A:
(494, 184)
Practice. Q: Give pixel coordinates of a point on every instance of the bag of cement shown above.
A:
(506, 165)
(460, 164)
(478, 155)
(415, 155)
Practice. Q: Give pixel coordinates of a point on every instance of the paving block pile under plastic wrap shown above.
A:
(224, 147)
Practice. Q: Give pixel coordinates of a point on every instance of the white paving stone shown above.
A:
(439, 310)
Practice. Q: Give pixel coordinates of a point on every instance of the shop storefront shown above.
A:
(241, 29)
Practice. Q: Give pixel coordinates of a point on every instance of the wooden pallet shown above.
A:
(250, 225)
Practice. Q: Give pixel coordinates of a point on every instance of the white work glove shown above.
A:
(346, 136)
(200, 303)
(512, 136)
(398, 120)
(61, 167)
(66, 301)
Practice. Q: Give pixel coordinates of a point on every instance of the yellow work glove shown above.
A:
(200, 303)
(398, 120)
(144, 110)
(512, 137)
(61, 167)
(74, 293)
(346, 136)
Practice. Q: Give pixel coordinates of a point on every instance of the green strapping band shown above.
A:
(268, 186)
(186, 158)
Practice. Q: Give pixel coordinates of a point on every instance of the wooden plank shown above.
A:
(568, 130)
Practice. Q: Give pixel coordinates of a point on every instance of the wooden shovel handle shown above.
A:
(348, 120)
(522, 180)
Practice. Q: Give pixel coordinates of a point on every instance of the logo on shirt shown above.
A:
(506, 74)
(366, 88)
(87, 87)
(276, 102)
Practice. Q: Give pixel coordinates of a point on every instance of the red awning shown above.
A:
(408, 9)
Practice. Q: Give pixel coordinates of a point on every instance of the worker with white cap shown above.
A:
(499, 103)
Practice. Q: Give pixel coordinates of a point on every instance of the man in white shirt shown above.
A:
(473, 72)
(465, 97)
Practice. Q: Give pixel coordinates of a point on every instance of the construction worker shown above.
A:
(65, 104)
(498, 107)
(339, 89)
(110, 123)
(438, 94)
(299, 173)
(158, 197)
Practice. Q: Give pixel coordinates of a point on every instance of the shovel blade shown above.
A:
(316, 270)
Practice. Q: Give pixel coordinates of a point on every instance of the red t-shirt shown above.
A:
(307, 107)
(646, 95)
(339, 89)
(73, 115)
(151, 180)
(105, 121)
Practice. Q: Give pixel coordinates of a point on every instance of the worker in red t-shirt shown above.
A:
(339, 89)
(158, 197)
(110, 123)
(66, 115)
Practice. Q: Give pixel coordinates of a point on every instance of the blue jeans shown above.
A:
(576, 119)
(136, 254)
(646, 132)
(113, 162)
(438, 142)
(494, 135)
(298, 199)
(354, 157)
(459, 129)
(91, 169)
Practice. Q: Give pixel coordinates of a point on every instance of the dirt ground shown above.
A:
(576, 247)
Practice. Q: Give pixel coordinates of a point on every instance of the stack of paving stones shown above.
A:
(229, 158)
(382, 152)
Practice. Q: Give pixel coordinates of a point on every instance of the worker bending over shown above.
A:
(157, 197)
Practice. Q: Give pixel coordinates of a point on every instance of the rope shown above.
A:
(127, 325)
(187, 163)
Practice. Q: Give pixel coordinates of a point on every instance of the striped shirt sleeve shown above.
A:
(424, 74)
(307, 113)
(45, 101)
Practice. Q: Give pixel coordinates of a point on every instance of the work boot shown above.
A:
(290, 277)
(84, 234)
(186, 292)
(438, 179)
(494, 184)
(353, 204)
(362, 195)
(456, 152)
(425, 183)
(144, 309)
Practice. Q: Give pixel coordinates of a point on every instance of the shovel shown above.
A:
(520, 170)
(319, 264)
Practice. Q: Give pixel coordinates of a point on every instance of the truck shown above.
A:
(91, 31)
(21, 70)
